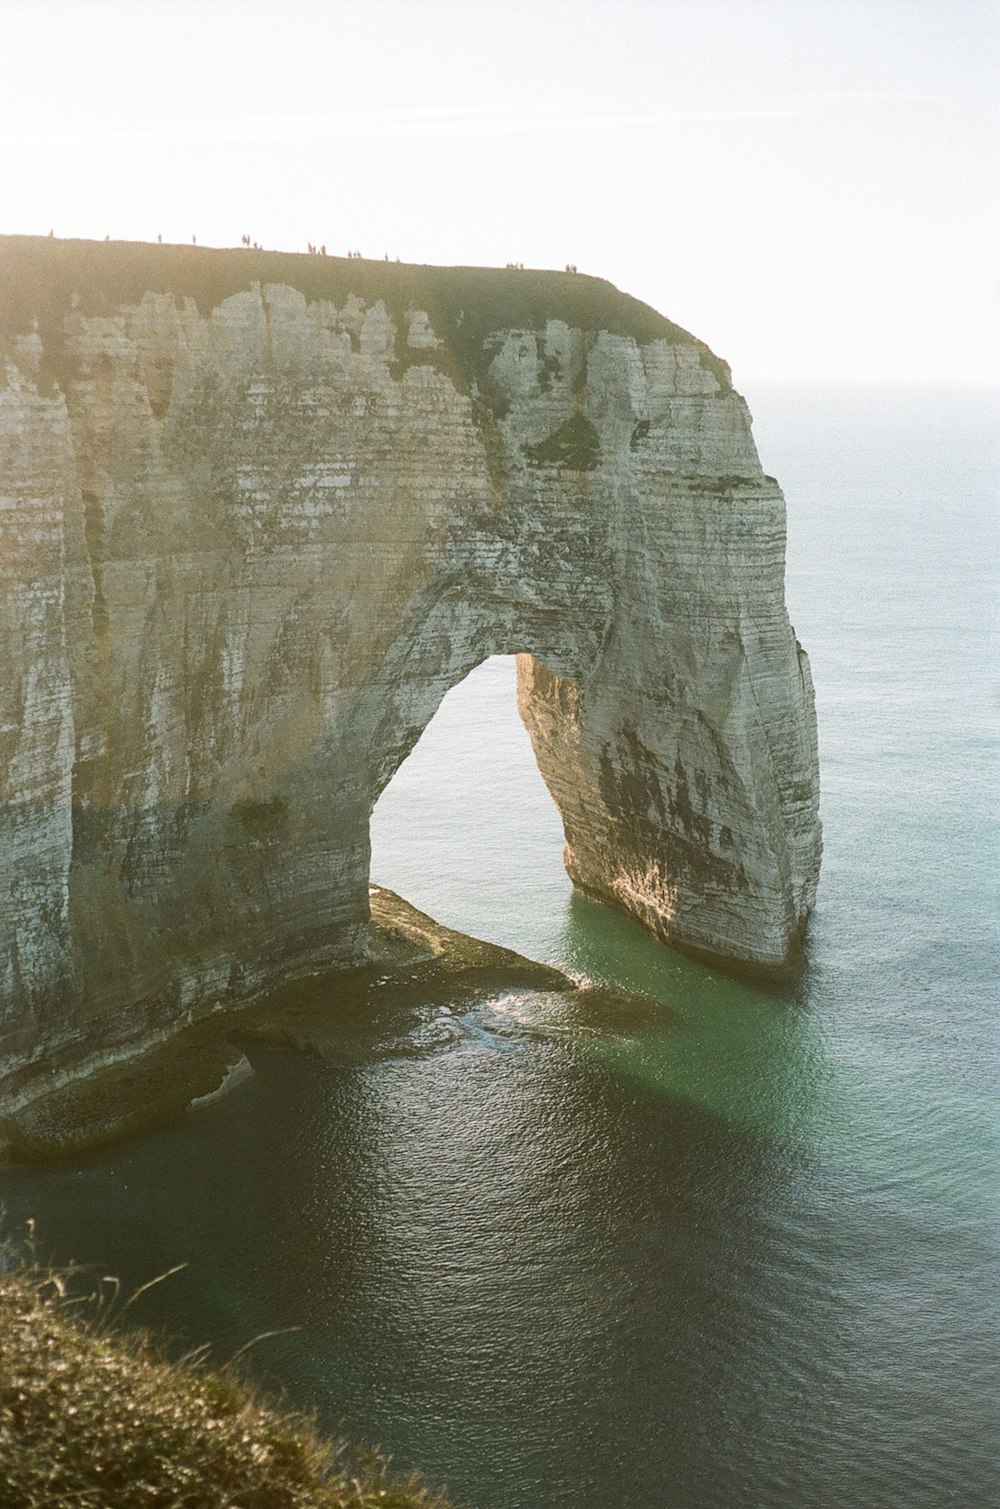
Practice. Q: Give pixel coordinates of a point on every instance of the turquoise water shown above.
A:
(737, 1248)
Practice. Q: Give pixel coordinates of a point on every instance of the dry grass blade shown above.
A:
(152, 1283)
(264, 1336)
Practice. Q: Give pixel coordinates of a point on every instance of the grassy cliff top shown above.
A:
(101, 1420)
(42, 277)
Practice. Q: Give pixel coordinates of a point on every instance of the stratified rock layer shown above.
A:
(258, 513)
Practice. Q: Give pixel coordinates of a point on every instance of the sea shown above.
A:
(728, 1246)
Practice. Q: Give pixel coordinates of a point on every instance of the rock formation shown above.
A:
(258, 513)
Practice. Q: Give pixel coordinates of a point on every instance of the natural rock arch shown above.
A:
(261, 512)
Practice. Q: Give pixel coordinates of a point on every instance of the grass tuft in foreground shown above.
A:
(96, 1418)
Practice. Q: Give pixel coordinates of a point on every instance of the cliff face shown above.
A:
(258, 513)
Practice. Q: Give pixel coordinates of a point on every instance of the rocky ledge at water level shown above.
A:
(415, 969)
(258, 513)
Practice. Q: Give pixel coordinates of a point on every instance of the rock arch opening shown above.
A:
(466, 829)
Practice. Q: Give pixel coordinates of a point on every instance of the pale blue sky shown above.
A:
(812, 187)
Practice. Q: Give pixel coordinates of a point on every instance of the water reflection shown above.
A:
(524, 1261)
(492, 1255)
(750, 1055)
(524, 1247)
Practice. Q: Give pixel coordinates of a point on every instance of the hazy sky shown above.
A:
(812, 187)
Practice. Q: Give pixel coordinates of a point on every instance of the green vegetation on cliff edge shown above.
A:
(44, 279)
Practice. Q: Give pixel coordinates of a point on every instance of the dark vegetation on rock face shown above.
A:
(259, 817)
(94, 1415)
(575, 444)
(46, 277)
(549, 367)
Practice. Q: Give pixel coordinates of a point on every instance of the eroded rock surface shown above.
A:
(258, 513)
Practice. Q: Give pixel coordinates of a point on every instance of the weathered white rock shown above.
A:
(259, 513)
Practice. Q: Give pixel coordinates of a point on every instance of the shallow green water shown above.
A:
(740, 1248)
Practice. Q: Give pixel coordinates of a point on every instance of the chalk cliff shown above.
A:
(259, 512)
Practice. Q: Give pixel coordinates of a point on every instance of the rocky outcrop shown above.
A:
(258, 513)
(400, 1000)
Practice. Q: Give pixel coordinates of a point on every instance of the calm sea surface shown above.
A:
(737, 1249)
